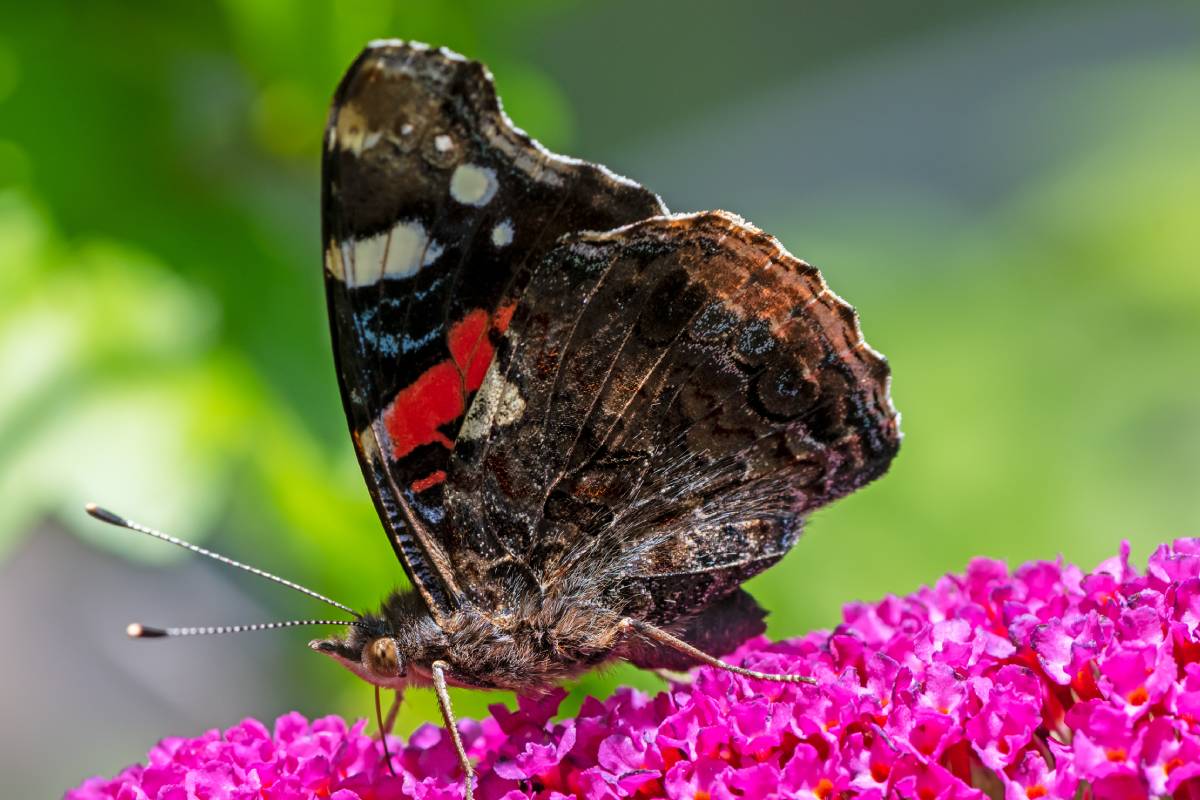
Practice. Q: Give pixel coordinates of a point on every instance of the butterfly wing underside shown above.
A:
(432, 205)
(669, 402)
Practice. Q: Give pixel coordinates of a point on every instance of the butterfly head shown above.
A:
(379, 648)
(375, 659)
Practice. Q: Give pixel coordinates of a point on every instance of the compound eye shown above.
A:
(382, 658)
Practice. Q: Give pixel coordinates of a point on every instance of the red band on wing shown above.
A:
(471, 349)
(503, 316)
(430, 480)
(420, 408)
(439, 395)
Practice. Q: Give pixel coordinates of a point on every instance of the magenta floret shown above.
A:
(1043, 683)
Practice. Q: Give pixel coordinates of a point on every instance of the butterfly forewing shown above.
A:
(432, 204)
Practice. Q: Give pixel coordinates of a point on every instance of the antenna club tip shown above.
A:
(103, 514)
(136, 630)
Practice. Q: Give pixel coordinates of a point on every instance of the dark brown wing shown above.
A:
(670, 401)
(431, 203)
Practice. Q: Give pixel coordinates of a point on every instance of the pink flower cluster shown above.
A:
(1046, 683)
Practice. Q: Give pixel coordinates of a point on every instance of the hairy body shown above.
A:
(528, 652)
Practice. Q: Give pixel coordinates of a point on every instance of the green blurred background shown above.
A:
(1008, 192)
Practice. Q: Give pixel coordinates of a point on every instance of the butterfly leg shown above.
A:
(443, 695)
(662, 637)
(389, 721)
(386, 728)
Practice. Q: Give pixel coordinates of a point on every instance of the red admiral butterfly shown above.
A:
(584, 421)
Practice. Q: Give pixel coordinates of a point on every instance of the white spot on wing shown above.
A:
(443, 143)
(366, 260)
(368, 441)
(473, 185)
(350, 129)
(333, 262)
(502, 234)
(497, 403)
(399, 253)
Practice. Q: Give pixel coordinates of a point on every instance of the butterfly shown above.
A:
(584, 421)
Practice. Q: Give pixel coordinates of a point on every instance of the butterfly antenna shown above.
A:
(105, 515)
(136, 630)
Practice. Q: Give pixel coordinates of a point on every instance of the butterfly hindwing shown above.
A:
(669, 401)
(432, 202)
